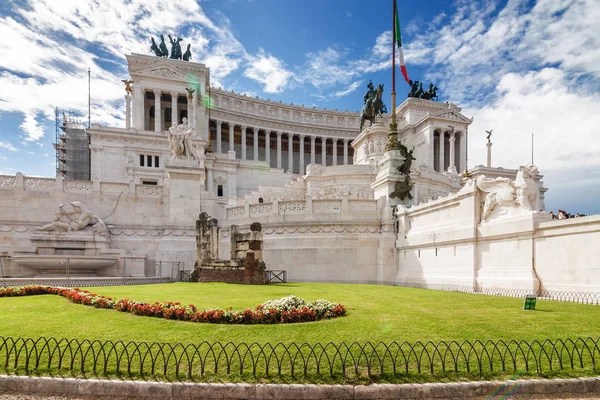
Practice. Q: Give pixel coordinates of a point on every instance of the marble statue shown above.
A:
(523, 193)
(180, 139)
(373, 106)
(75, 218)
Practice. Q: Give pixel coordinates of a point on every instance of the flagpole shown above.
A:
(393, 143)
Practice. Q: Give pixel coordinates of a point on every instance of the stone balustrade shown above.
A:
(33, 184)
(342, 206)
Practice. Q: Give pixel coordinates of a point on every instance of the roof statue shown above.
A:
(163, 47)
(188, 53)
(160, 50)
(155, 48)
(373, 105)
(128, 83)
(416, 90)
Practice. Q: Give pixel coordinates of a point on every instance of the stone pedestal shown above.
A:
(388, 176)
(186, 189)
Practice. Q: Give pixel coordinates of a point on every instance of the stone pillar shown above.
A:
(157, 112)
(209, 181)
(324, 151)
(345, 151)
(255, 130)
(334, 158)
(278, 149)
(268, 147)
(442, 151)
(452, 167)
(301, 170)
(138, 108)
(312, 149)
(127, 111)
(243, 132)
(489, 153)
(174, 111)
(290, 152)
(231, 142)
(218, 149)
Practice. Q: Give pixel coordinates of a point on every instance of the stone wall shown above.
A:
(444, 242)
(137, 217)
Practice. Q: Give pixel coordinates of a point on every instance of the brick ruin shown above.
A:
(245, 264)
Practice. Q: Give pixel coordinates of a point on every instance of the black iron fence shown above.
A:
(568, 296)
(276, 276)
(336, 360)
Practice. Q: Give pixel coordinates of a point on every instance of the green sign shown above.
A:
(530, 300)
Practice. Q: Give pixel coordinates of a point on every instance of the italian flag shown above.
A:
(398, 39)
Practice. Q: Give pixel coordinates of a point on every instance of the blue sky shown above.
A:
(517, 66)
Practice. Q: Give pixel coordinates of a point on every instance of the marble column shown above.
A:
(243, 133)
(174, 113)
(301, 169)
(127, 111)
(218, 149)
(312, 149)
(268, 147)
(442, 151)
(278, 149)
(157, 111)
(345, 151)
(231, 139)
(334, 158)
(139, 118)
(209, 181)
(255, 137)
(324, 151)
(452, 167)
(290, 152)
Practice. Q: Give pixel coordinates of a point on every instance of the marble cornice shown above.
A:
(283, 126)
(295, 107)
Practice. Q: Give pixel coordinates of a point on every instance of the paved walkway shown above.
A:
(15, 396)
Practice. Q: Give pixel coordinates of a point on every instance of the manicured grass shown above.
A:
(374, 313)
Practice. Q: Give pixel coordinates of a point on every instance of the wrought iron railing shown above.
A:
(568, 296)
(336, 360)
(275, 276)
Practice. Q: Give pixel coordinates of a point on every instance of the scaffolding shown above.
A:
(72, 145)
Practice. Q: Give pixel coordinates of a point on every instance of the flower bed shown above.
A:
(286, 310)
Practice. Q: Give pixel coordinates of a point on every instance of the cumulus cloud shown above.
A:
(31, 128)
(268, 70)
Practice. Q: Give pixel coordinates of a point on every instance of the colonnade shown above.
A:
(156, 114)
(275, 140)
(447, 151)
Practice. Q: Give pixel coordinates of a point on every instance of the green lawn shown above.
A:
(374, 313)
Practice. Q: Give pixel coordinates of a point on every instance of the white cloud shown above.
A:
(8, 146)
(348, 90)
(31, 128)
(269, 71)
(563, 121)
